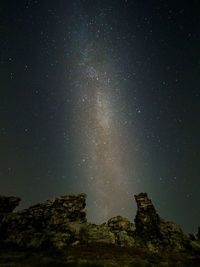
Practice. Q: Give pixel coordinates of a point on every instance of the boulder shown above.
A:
(119, 223)
(123, 230)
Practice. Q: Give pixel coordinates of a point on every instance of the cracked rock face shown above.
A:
(153, 231)
(147, 220)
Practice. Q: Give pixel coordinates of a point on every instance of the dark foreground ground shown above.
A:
(96, 255)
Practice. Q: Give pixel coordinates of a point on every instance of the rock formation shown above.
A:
(54, 222)
(152, 231)
(124, 231)
(99, 234)
(61, 222)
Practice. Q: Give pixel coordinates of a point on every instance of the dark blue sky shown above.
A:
(102, 97)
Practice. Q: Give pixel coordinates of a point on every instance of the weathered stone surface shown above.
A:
(61, 222)
(124, 240)
(123, 230)
(99, 233)
(147, 220)
(45, 223)
(119, 223)
(8, 204)
(152, 231)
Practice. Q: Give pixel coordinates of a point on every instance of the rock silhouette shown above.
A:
(8, 204)
(154, 230)
(61, 222)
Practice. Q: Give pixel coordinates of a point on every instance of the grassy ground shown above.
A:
(94, 255)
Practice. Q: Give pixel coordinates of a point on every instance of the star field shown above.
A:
(102, 97)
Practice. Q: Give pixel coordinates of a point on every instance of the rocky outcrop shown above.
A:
(147, 220)
(62, 222)
(45, 223)
(123, 230)
(152, 231)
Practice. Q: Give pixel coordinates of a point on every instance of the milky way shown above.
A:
(102, 97)
(99, 109)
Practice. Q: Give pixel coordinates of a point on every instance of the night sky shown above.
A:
(102, 97)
